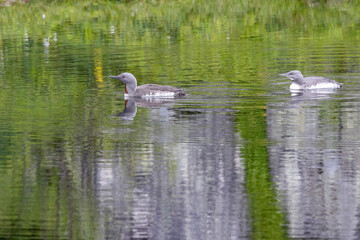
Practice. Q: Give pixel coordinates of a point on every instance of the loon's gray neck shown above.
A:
(130, 84)
(130, 88)
(299, 79)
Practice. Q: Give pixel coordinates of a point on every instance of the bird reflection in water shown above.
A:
(313, 93)
(131, 104)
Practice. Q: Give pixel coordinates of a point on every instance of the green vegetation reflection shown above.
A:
(267, 217)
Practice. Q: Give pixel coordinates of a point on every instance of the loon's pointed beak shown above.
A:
(283, 74)
(113, 77)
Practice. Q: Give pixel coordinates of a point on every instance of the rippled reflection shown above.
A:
(314, 159)
(174, 181)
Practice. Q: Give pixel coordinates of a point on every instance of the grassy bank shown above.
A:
(166, 16)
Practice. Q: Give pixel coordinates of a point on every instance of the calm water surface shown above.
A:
(239, 157)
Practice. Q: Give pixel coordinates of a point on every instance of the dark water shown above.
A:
(239, 157)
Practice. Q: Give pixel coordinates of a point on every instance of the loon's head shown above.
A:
(294, 75)
(129, 80)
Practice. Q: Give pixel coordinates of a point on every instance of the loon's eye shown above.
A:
(123, 76)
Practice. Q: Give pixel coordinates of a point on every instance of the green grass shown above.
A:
(227, 16)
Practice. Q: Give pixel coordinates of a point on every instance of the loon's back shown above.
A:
(320, 82)
(155, 90)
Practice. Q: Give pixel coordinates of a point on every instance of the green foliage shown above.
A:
(165, 16)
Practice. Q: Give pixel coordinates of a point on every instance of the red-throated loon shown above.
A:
(300, 83)
(147, 90)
